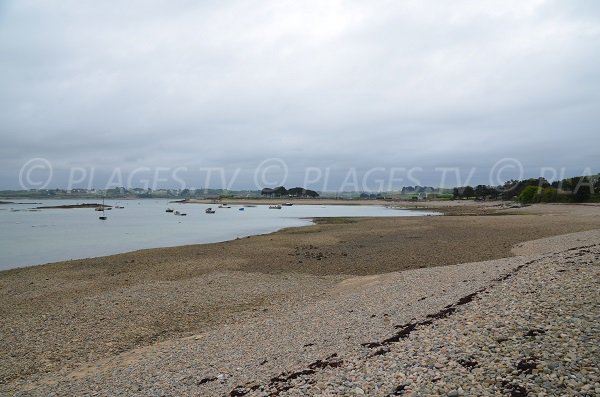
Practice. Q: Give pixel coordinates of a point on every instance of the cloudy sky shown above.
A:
(323, 93)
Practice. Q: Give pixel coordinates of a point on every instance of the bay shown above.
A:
(30, 237)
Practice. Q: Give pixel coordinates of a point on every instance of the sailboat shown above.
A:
(102, 217)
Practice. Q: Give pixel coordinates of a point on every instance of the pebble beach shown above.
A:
(521, 319)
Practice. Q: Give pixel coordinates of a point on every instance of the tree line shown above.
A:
(281, 191)
(578, 189)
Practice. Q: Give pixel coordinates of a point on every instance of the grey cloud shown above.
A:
(319, 84)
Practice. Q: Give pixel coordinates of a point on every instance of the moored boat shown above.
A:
(102, 217)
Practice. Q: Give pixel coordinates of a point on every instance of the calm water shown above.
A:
(34, 237)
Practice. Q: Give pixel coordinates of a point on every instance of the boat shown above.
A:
(275, 207)
(288, 204)
(209, 210)
(241, 209)
(169, 210)
(224, 206)
(180, 213)
(102, 217)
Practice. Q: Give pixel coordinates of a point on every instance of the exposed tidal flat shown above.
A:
(486, 301)
(56, 230)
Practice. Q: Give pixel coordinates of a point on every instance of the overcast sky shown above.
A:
(335, 86)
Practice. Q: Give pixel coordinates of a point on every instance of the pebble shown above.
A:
(480, 349)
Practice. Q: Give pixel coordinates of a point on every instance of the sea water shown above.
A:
(29, 236)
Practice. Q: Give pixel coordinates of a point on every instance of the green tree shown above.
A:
(311, 193)
(548, 195)
(481, 191)
(468, 192)
(456, 194)
(529, 195)
(582, 188)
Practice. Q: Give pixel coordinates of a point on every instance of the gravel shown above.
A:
(527, 325)
(534, 333)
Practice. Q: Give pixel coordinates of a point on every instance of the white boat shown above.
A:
(102, 217)
(209, 210)
(275, 207)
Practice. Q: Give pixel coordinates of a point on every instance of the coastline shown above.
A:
(63, 316)
(151, 230)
